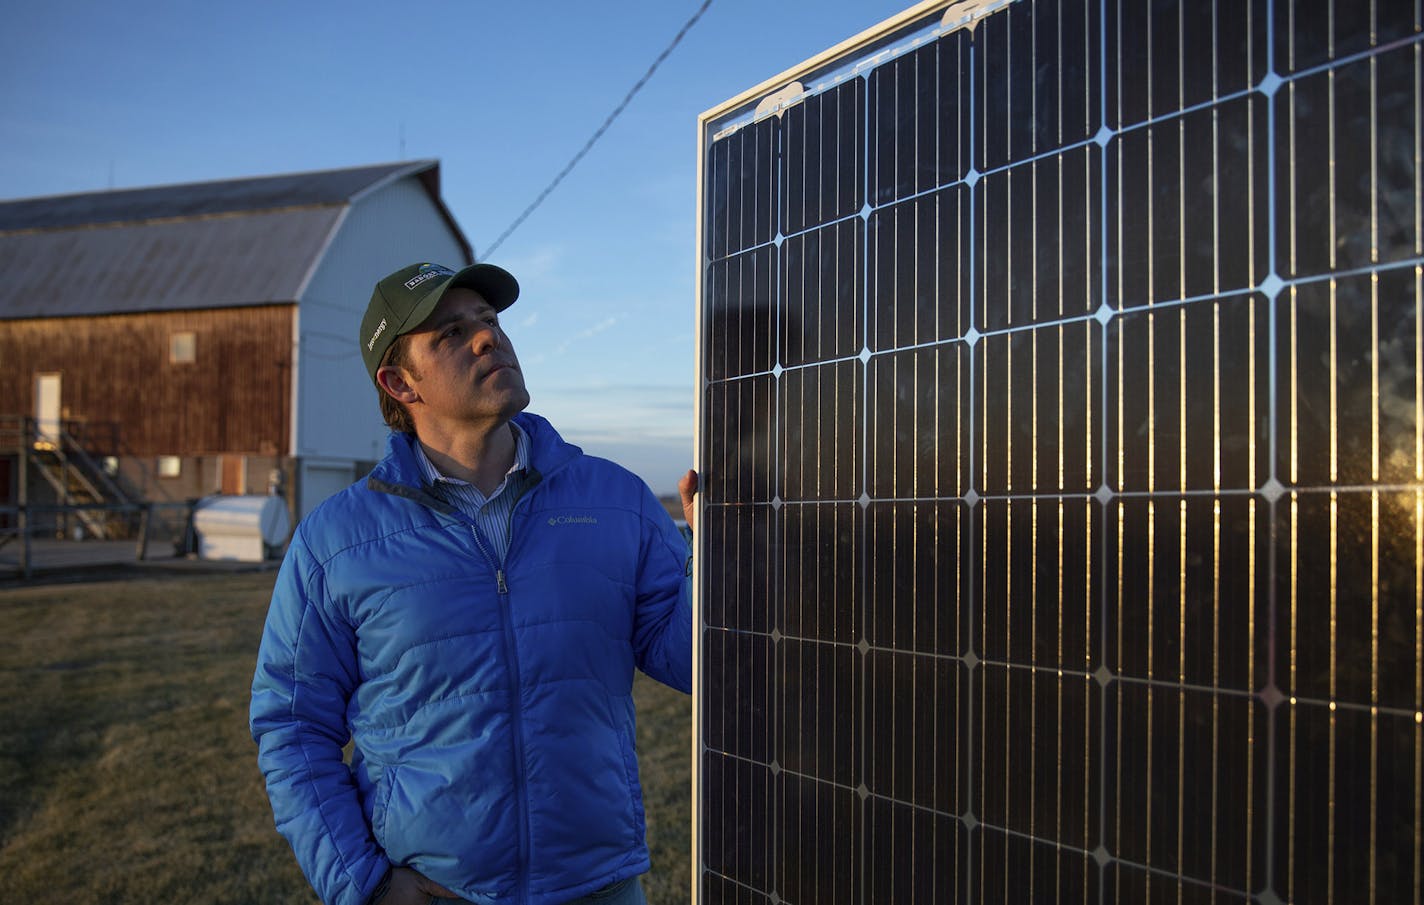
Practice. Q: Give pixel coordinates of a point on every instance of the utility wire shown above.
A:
(598, 133)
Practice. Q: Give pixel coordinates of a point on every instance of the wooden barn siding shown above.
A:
(235, 398)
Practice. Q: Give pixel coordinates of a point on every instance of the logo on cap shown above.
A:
(377, 335)
(433, 271)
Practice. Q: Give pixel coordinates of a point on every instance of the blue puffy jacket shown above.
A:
(489, 704)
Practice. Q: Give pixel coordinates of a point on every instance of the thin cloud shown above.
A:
(606, 324)
(536, 265)
(627, 413)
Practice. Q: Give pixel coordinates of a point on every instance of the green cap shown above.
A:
(403, 300)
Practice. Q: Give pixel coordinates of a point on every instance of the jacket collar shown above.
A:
(400, 473)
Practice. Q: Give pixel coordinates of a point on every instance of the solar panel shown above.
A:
(1061, 423)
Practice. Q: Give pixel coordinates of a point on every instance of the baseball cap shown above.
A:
(403, 300)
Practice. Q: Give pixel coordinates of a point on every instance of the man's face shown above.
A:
(462, 366)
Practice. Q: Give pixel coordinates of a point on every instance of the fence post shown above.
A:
(24, 519)
(144, 515)
(24, 516)
(64, 514)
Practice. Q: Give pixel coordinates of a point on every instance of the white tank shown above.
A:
(240, 528)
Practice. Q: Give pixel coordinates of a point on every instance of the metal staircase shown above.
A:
(60, 458)
(78, 479)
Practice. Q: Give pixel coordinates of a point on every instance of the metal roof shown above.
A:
(173, 265)
(195, 199)
(169, 248)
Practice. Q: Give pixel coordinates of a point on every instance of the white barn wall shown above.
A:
(336, 410)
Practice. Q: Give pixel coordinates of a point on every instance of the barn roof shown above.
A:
(198, 245)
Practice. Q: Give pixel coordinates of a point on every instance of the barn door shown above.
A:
(234, 474)
(47, 393)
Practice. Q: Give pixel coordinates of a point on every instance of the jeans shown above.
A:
(624, 892)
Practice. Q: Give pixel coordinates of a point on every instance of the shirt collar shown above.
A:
(433, 475)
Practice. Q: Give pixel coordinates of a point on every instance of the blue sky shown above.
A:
(98, 94)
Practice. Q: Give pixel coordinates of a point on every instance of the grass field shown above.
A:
(126, 770)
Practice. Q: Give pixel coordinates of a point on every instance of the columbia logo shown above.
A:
(572, 520)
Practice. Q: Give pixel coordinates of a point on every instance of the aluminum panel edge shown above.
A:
(698, 338)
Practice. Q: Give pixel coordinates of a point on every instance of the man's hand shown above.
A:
(686, 487)
(410, 887)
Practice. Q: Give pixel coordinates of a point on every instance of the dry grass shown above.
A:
(126, 770)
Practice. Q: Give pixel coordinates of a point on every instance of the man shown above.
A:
(468, 617)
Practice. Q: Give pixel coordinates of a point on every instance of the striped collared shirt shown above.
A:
(490, 513)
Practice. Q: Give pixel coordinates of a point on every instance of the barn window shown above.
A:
(182, 347)
(169, 466)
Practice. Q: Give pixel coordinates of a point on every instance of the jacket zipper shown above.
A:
(516, 711)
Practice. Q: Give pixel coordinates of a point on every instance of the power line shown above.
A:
(598, 133)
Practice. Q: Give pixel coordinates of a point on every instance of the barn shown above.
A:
(172, 342)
